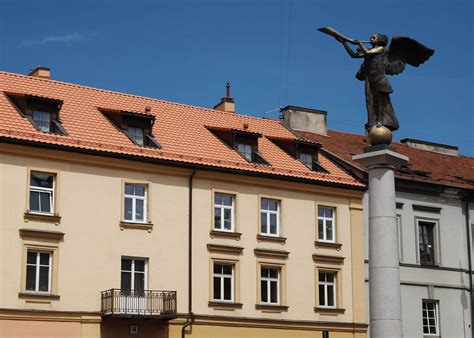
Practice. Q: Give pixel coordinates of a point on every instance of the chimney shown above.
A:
(431, 146)
(41, 72)
(227, 102)
(305, 119)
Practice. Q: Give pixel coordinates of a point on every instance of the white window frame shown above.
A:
(267, 216)
(40, 190)
(245, 150)
(327, 285)
(132, 272)
(436, 317)
(39, 123)
(134, 199)
(268, 281)
(222, 276)
(37, 266)
(325, 219)
(223, 207)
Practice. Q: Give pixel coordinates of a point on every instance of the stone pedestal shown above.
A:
(384, 273)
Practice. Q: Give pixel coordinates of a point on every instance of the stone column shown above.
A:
(384, 272)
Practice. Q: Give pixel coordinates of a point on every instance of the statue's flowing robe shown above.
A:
(377, 92)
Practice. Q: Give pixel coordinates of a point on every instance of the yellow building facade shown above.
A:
(97, 245)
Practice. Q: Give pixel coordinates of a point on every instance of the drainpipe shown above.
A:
(469, 261)
(191, 318)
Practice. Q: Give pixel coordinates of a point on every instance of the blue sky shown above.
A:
(270, 51)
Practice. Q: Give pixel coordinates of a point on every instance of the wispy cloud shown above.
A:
(68, 38)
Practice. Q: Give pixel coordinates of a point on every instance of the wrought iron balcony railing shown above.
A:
(146, 303)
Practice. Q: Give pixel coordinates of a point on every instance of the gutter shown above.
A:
(191, 318)
(469, 260)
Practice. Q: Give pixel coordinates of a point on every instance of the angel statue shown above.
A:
(380, 61)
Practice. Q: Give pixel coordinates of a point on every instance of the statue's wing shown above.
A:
(404, 49)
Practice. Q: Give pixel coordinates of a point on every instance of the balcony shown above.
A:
(146, 303)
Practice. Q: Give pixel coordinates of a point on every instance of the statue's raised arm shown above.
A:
(379, 61)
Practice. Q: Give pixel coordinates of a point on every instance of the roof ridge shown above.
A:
(32, 78)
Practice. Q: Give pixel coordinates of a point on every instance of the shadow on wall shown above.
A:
(133, 328)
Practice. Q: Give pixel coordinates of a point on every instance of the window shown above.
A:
(41, 192)
(245, 150)
(306, 159)
(42, 120)
(133, 274)
(135, 203)
(430, 317)
(270, 285)
(137, 135)
(223, 282)
(223, 212)
(326, 225)
(269, 217)
(327, 289)
(38, 271)
(426, 241)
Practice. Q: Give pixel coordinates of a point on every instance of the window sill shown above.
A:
(224, 305)
(134, 225)
(327, 245)
(33, 295)
(274, 239)
(225, 234)
(329, 310)
(50, 218)
(272, 308)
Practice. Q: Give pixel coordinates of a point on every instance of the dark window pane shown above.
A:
(34, 201)
(264, 272)
(128, 209)
(273, 219)
(44, 278)
(126, 264)
(264, 291)
(320, 229)
(126, 281)
(273, 229)
(30, 277)
(329, 212)
(217, 218)
(322, 277)
(264, 204)
(218, 199)
(322, 299)
(273, 273)
(139, 210)
(330, 277)
(329, 230)
(227, 219)
(139, 282)
(273, 205)
(45, 203)
(139, 265)
(264, 223)
(227, 269)
(217, 268)
(31, 257)
(320, 212)
(42, 180)
(227, 288)
(227, 200)
(330, 295)
(129, 189)
(217, 288)
(273, 292)
(139, 190)
(44, 258)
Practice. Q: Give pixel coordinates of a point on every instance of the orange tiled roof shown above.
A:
(424, 166)
(180, 129)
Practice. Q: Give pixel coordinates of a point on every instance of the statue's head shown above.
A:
(378, 39)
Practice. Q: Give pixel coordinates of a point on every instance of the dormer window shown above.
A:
(42, 112)
(306, 159)
(137, 135)
(304, 151)
(242, 141)
(42, 120)
(137, 126)
(245, 150)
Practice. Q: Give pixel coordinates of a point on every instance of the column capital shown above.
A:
(384, 157)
